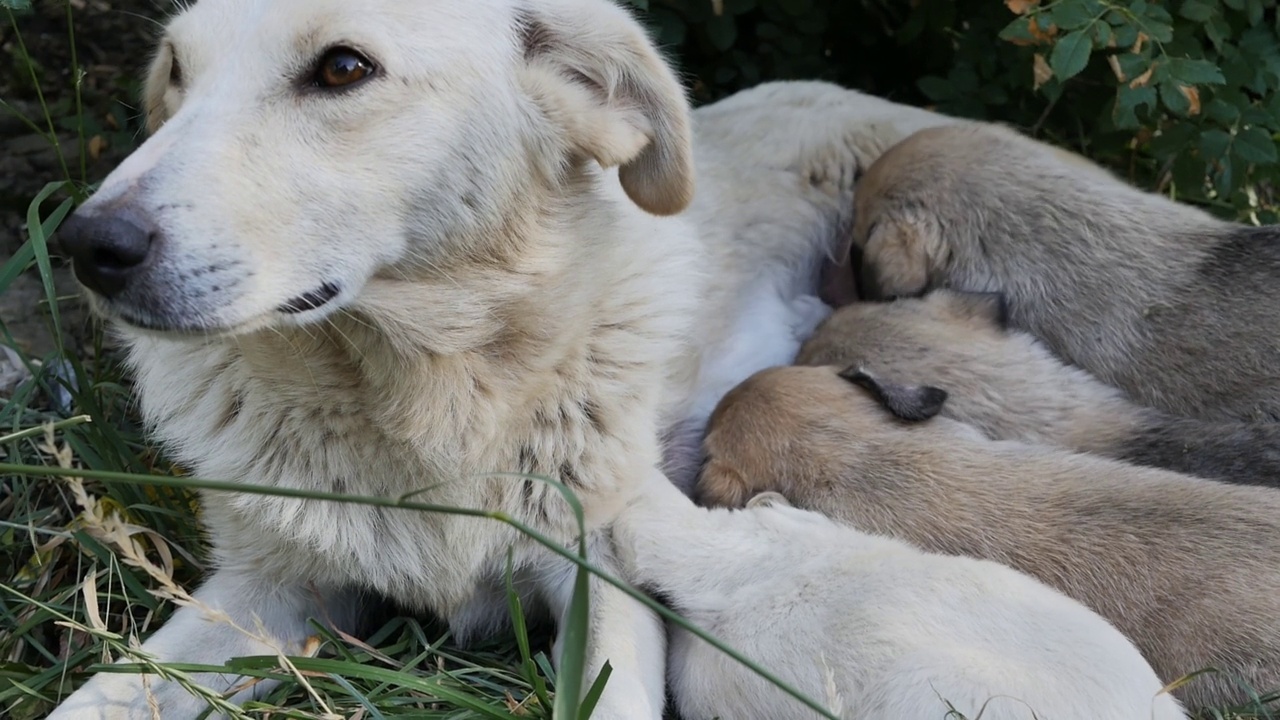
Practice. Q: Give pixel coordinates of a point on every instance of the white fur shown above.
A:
(868, 626)
(519, 290)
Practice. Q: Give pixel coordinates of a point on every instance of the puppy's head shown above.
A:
(299, 148)
(917, 337)
(789, 429)
(903, 243)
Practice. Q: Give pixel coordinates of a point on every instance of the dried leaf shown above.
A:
(96, 145)
(1193, 97)
(1143, 79)
(1115, 68)
(1044, 35)
(1021, 7)
(1137, 44)
(89, 588)
(1040, 71)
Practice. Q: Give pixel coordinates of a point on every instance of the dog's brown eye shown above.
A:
(342, 66)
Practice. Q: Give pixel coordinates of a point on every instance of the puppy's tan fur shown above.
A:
(1007, 384)
(1160, 299)
(1185, 567)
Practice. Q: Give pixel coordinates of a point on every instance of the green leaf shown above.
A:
(40, 231)
(1101, 34)
(1074, 14)
(1070, 55)
(1173, 99)
(1126, 35)
(15, 4)
(1159, 24)
(1173, 140)
(592, 698)
(1217, 30)
(1234, 4)
(1132, 65)
(1254, 10)
(1254, 145)
(1221, 111)
(1195, 72)
(1019, 29)
(1254, 115)
(1214, 144)
(1223, 183)
(1197, 10)
(1128, 100)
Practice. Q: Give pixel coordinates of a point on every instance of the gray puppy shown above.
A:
(1173, 306)
(1008, 385)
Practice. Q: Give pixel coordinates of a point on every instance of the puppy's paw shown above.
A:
(769, 499)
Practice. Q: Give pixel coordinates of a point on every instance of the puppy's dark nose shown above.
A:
(107, 248)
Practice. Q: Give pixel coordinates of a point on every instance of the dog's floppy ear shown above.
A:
(913, 403)
(992, 307)
(619, 102)
(159, 94)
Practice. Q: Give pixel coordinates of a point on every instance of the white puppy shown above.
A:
(869, 626)
(386, 247)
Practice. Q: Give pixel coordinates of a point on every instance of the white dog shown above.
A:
(381, 247)
(868, 626)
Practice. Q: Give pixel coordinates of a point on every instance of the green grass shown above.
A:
(100, 541)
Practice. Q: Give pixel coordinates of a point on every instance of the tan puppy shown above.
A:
(1162, 300)
(1188, 569)
(1008, 384)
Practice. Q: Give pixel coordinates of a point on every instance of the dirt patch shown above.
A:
(113, 42)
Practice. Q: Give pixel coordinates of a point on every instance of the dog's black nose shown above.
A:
(107, 248)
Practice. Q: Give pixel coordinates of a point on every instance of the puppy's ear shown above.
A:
(895, 258)
(992, 307)
(613, 94)
(913, 403)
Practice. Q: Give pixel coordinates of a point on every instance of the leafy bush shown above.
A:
(1178, 95)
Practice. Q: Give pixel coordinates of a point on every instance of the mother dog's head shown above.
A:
(299, 147)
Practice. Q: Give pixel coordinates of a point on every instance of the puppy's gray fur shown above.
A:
(1185, 567)
(1162, 300)
(1010, 386)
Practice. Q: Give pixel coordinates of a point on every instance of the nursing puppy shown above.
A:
(1162, 300)
(868, 626)
(391, 248)
(1186, 568)
(1008, 385)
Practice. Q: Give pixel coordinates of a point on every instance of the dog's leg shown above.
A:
(623, 632)
(271, 619)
